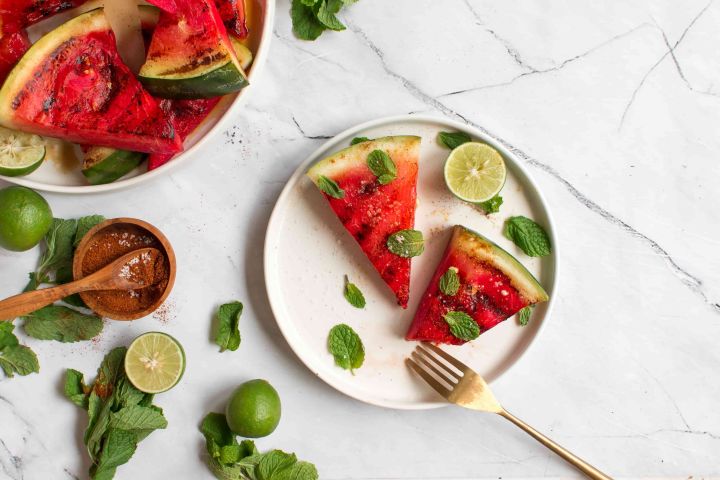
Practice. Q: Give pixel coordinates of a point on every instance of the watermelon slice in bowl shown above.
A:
(493, 287)
(72, 84)
(372, 211)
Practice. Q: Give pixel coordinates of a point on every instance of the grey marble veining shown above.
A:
(614, 106)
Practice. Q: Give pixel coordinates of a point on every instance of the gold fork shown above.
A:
(466, 388)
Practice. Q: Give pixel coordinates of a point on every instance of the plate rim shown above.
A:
(379, 122)
(184, 157)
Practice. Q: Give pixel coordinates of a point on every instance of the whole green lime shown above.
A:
(25, 218)
(254, 409)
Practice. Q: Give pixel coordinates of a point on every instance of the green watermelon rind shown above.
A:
(83, 24)
(479, 247)
(105, 165)
(353, 157)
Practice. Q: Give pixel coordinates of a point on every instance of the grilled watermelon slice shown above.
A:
(27, 12)
(190, 55)
(73, 85)
(493, 287)
(371, 212)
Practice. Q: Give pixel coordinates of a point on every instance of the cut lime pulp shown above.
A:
(154, 362)
(475, 172)
(20, 153)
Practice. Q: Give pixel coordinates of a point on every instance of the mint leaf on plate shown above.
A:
(462, 325)
(357, 140)
(228, 331)
(452, 140)
(382, 166)
(63, 324)
(346, 347)
(528, 235)
(329, 186)
(353, 294)
(406, 243)
(450, 282)
(492, 205)
(524, 315)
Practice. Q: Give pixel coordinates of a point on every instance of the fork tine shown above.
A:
(428, 378)
(441, 375)
(426, 354)
(454, 361)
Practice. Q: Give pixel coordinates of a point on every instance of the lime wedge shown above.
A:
(20, 153)
(154, 362)
(475, 172)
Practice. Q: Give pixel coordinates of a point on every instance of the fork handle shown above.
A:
(566, 455)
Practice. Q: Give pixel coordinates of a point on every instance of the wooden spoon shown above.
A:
(115, 276)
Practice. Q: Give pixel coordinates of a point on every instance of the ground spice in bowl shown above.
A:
(112, 242)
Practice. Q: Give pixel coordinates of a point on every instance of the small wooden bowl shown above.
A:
(164, 247)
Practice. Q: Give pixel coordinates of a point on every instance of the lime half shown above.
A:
(20, 153)
(475, 172)
(154, 362)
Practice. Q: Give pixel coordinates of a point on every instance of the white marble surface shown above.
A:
(614, 106)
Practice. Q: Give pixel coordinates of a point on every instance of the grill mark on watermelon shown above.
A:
(201, 58)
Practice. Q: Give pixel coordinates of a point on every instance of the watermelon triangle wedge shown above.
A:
(371, 211)
(493, 287)
(72, 84)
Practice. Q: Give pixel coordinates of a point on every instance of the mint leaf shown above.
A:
(138, 418)
(528, 235)
(273, 462)
(346, 347)
(406, 243)
(228, 332)
(524, 315)
(452, 140)
(75, 389)
(357, 140)
(309, 3)
(450, 282)
(382, 166)
(62, 324)
(492, 205)
(353, 294)
(120, 445)
(306, 26)
(18, 359)
(7, 337)
(58, 247)
(462, 325)
(84, 224)
(326, 14)
(215, 427)
(329, 186)
(299, 471)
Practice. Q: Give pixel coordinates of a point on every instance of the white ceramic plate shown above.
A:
(53, 177)
(307, 252)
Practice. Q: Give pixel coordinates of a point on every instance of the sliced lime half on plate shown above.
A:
(155, 362)
(20, 153)
(475, 172)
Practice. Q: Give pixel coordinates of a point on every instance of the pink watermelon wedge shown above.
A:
(72, 84)
(493, 287)
(371, 211)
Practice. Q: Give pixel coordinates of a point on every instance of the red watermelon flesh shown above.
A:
(27, 12)
(232, 13)
(493, 287)
(371, 212)
(186, 116)
(73, 85)
(12, 47)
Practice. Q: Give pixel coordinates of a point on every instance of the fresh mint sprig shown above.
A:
(63, 324)
(228, 331)
(310, 18)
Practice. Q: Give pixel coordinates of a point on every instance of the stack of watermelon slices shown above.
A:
(493, 285)
(72, 84)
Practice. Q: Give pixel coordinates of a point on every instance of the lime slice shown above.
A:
(154, 362)
(20, 153)
(475, 172)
